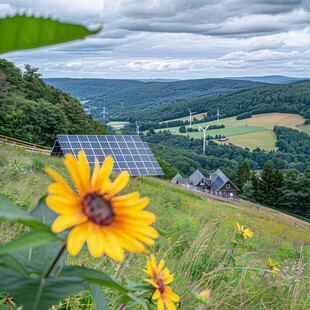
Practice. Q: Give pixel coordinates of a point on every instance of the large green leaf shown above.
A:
(12, 212)
(35, 293)
(99, 298)
(43, 213)
(92, 276)
(12, 263)
(33, 238)
(23, 32)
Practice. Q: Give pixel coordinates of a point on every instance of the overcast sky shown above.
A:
(183, 39)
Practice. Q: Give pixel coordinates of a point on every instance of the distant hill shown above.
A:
(271, 79)
(158, 80)
(285, 98)
(137, 95)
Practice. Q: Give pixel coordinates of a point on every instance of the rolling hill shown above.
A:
(138, 95)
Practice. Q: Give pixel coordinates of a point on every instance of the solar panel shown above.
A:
(129, 152)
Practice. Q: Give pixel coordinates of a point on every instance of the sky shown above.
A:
(172, 39)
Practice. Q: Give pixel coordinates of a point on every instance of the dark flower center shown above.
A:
(98, 209)
(161, 285)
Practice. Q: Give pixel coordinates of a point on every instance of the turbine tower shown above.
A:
(104, 113)
(137, 128)
(204, 137)
(190, 117)
(218, 115)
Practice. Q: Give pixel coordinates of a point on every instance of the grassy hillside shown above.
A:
(251, 132)
(137, 95)
(195, 241)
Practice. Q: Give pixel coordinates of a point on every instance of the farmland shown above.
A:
(117, 125)
(195, 239)
(241, 132)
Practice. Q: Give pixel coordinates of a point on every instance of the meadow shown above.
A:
(244, 132)
(196, 239)
(117, 125)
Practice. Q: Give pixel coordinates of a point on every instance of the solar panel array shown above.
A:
(129, 152)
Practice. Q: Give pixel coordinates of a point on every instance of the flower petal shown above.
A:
(156, 294)
(160, 304)
(95, 241)
(128, 242)
(132, 207)
(152, 282)
(63, 205)
(63, 222)
(95, 174)
(84, 171)
(125, 199)
(57, 177)
(169, 304)
(144, 217)
(103, 174)
(77, 237)
(171, 295)
(112, 246)
(119, 183)
(61, 190)
(73, 168)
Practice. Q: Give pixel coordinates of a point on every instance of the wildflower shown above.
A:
(204, 296)
(159, 279)
(244, 232)
(272, 265)
(107, 222)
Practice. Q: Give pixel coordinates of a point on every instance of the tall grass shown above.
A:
(195, 242)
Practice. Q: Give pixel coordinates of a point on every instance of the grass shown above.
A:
(195, 241)
(238, 131)
(117, 125)
(252, 139)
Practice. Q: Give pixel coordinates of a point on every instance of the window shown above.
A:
(227, 186)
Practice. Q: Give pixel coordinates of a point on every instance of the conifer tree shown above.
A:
(267, 187)
(255, 184)
(243, 174)
(278, 183)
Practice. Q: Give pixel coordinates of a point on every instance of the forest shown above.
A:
(136, 95)
(282, 98)
(35, 112)
(293, 151)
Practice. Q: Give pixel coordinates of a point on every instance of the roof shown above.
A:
(218, 179)
(196, 177)
(176, 178)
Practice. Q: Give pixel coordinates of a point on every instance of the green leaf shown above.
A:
(11, 262)
(92, 276)
(99, 298)
(33, 238)
(35, 293)
(12, 212)
(43, 213)
(23, 32)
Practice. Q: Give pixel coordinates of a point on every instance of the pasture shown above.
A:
(239, 131)
(117, 125)
(196, 238)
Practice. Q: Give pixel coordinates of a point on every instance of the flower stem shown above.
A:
(54, 262)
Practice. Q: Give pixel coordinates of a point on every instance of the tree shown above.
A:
(267, 186)
(243, 174)
(278, 183)
(182, 129)
(248, 189)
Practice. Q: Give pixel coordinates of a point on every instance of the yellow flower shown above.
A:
(272, 265)
(244, 232)
(107, 222)
(159, 279)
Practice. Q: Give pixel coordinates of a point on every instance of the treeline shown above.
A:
(288, 98)
(257, 158)
(288, 190)
(35, 112)
(244, 115)
(121, 96)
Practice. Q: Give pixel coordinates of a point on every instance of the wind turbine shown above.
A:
(204, 137)
(218, 115)
(122, 104)
(190, 117)
(137, 128)
(104, 113)
(88, 112)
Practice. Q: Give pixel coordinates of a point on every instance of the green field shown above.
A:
(252, 139)
(195, 238)
(117, 125)
(305, 128)
(239, 130)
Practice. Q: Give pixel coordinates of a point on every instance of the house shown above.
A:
(217, 183)
(221, 185)
(198, 180)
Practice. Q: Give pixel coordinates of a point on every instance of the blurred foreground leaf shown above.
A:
(23, 32)
(12, 212)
